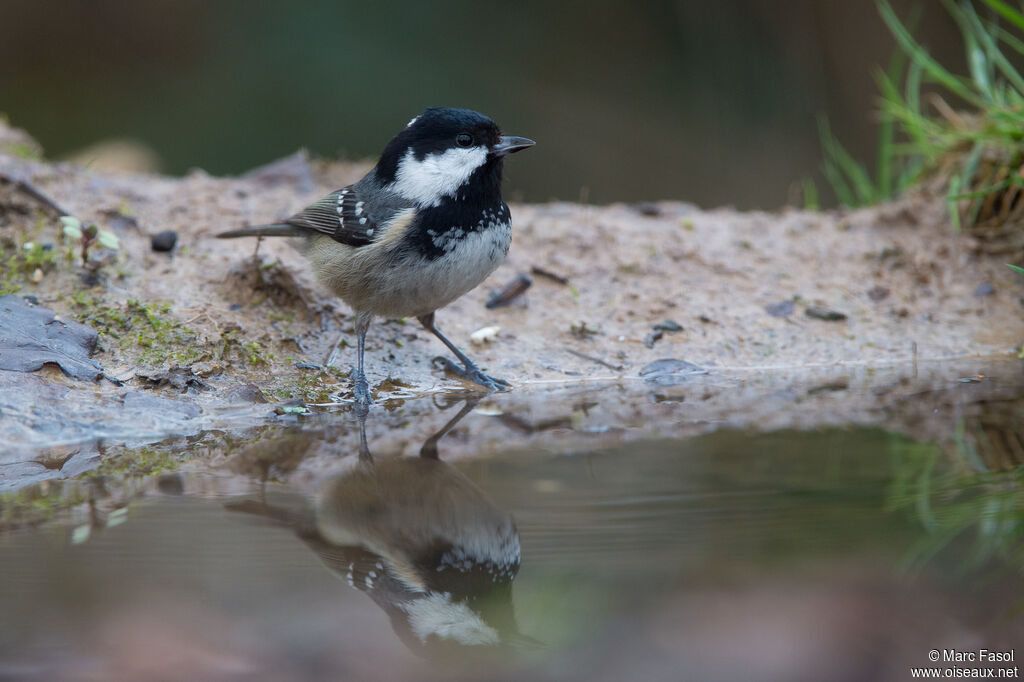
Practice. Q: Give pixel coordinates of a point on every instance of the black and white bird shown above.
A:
(422, 540)
(423, 227)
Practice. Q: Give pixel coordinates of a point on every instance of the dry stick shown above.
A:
(617, 368)
(31, 190)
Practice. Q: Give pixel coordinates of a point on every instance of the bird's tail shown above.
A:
(275, 230)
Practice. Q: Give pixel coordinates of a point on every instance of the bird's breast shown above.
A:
(464, 259)
(401, 278)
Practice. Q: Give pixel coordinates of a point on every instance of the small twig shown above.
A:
(554, 276)
(37, 194)
(617, 368)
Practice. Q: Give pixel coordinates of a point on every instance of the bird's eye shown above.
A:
(464, 140)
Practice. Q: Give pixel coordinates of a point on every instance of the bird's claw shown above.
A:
(472, 373)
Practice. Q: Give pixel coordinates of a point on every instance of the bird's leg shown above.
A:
(361, 411)
(360, 387)
(469, 370)
(429, 449)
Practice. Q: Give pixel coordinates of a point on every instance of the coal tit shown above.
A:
(423, 227)
(423, 541)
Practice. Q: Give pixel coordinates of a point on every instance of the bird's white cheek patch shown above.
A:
(438, 175)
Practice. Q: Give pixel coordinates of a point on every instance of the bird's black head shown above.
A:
(443, 149)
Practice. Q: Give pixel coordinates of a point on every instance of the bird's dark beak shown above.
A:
(509, 144)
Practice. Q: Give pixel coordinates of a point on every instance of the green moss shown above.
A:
(19, 259)
(38, 503)
(316, 387)
(141, 462)
(145, 327)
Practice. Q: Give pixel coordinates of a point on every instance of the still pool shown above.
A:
(835, 528)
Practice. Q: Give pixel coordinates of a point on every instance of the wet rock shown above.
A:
(670, 371)
(164, 241)
(146, 403)
(247, 393)
(780, 309)
(32, 336)
(308, 365)
(180, 378)
(826, 314)
(653, 338)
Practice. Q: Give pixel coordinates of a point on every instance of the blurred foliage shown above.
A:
(975, 155)
(678, 99)
(969, 499)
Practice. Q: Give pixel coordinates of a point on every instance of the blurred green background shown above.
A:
(710, 102)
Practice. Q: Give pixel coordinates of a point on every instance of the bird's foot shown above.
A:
(361, 388)
(472, 373)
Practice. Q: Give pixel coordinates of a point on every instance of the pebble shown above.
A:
(984, 289)
(670, 372)
(780, 309)
(819, 313)
(485, 335)
(878, 293)
(164, 241)
(670, 326)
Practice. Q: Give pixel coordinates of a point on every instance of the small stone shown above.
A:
(653, 338)
(164, 241)
(37, 276)
(984, 289)
(670, 372)
(780, 309)
(878, 293)
(670, 326)
(647, 208)
(819, 313)
(484, 335)
(247, 393)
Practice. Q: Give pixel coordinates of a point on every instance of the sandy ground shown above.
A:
(910, 293)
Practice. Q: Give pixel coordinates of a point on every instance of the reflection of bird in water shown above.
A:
(423, 541)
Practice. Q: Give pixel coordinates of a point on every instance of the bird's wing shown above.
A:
(346, 216)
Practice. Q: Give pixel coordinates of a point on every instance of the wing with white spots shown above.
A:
(344, 216)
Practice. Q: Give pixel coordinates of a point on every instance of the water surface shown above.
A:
(831, 552)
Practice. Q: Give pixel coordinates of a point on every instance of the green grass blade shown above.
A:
(1012, 41)
(810, 192)
(951, 202)
(1016, 269)
(921, 56)
(848, 166)
(1007, 12)
(834, 171)
(994, 57)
